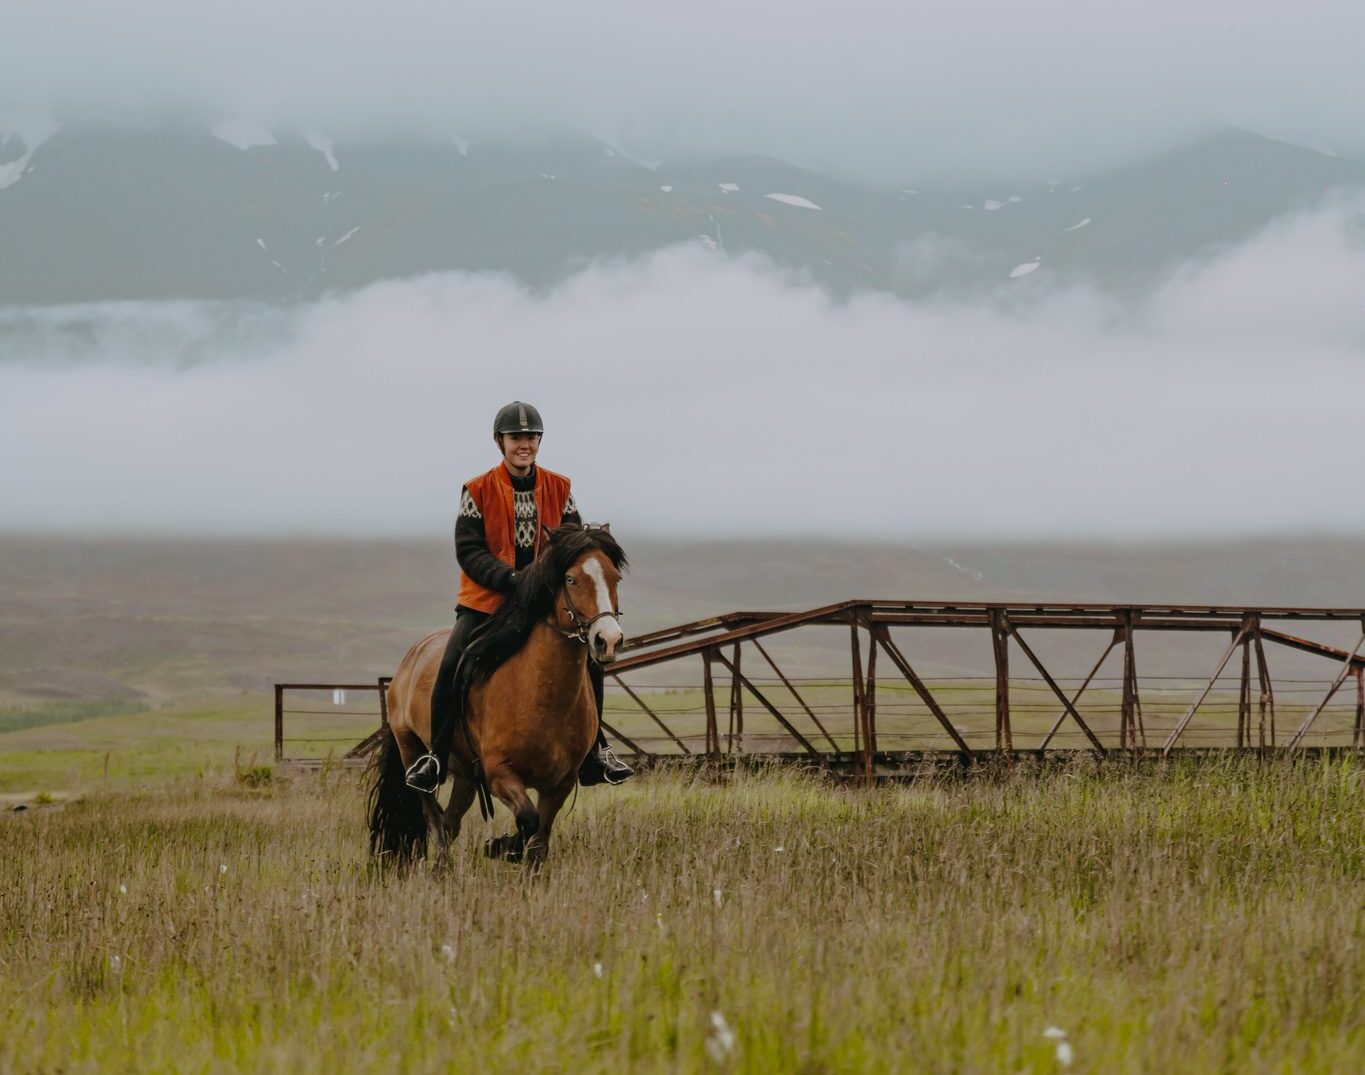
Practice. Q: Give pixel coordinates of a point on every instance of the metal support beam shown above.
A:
(634, 746)
(1227, 655)
(870, 693)
(1076, 697)
(1047, 678)
(279, 722)
(861, 745)
(1000, 641)
(883, 635)
(1244, 694)
(1297, 740)
(762, 700)
(709, 690)
(800, 701)
(1358, 733)
(1267, 693)
(653, 715)
(736, 708)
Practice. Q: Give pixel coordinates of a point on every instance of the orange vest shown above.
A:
(492, 495)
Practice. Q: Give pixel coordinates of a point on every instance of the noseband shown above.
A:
(581, 627)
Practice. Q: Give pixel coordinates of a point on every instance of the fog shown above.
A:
(698, 395)
(990, 90)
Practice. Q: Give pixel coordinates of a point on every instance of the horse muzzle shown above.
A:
(605, 640)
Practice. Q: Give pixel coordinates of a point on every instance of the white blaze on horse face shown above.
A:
(607, 629)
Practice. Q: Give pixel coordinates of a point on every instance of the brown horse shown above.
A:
(530, 711)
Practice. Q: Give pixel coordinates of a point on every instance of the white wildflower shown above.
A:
(659, 921)
(1056, 1033)
(116, 964)
(597, 969)
(1064, 1054)
(223, 868)
(721, 1041)
(715, 895)
(448, 953)
(123, 889)
(779, 847)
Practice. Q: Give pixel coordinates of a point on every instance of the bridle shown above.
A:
(581, 627)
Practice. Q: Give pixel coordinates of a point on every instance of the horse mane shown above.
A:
(532, 599)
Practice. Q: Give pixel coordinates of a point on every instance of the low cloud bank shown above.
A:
(693, 394)
(993, 90)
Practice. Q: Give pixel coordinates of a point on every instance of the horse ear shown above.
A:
(545, 534)
(605, 528)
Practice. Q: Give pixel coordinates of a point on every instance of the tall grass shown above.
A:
(1202, 917)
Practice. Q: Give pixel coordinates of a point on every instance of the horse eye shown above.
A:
(568, 579)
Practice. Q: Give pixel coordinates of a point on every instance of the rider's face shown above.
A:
(519, 451)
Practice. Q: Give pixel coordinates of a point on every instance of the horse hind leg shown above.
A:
(509, 789)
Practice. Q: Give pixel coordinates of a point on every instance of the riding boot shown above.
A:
(601, 766)
(428, 772)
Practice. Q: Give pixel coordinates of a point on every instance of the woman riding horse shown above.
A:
(530, 712)
(497, 535)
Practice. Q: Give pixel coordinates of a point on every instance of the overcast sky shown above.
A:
(982, 88)
(694, 394)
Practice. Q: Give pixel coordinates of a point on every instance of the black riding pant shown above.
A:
(443, 690)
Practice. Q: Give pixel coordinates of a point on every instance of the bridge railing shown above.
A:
(729, 692)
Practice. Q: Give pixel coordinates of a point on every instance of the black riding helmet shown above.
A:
(518, 417)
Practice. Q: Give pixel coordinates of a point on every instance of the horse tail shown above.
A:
(398, 826)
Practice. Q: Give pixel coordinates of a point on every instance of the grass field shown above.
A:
(1201, 917)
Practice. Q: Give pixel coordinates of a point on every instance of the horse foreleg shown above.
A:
(550, 804)
(508, 788)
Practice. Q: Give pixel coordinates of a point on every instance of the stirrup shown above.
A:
(424, 774)
(601, 766)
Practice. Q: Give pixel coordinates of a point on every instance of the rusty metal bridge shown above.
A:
(879, 720)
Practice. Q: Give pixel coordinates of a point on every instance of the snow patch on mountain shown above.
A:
(793, 199)
(991, 205)
(1024, 269)
(729, 188)
(649, 165)
(1078, 225)
(323, 145)
(244, 135)
(347, 235)
(32, 135)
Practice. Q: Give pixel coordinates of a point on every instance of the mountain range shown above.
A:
(237, 212)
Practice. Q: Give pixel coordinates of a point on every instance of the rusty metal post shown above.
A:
(1358, 735)
(1004, 738)
(738, 697)
(1244, 695)
(862, 748)
(709, 691)
(279, 723)
(870, 700)
(1267, 693)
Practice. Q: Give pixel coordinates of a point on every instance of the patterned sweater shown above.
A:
(471, 545)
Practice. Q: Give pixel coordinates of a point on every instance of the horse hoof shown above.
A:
(506, 847)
